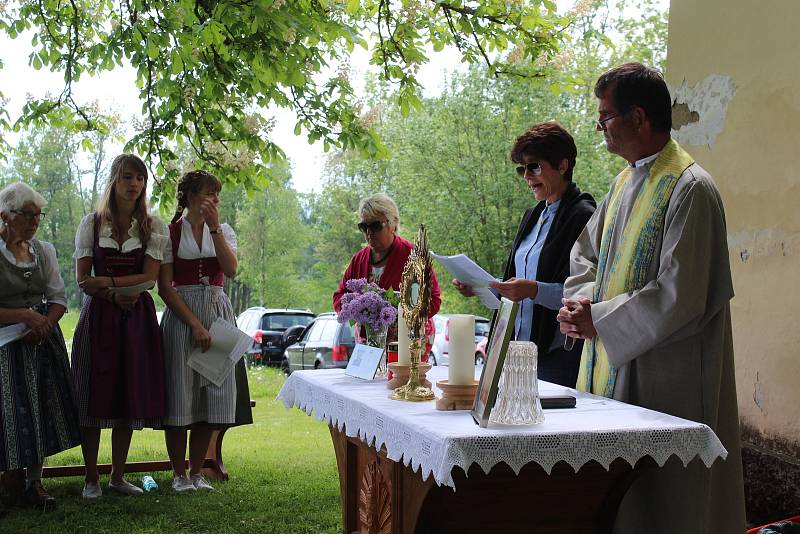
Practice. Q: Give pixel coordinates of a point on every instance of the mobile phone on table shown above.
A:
(557, 401)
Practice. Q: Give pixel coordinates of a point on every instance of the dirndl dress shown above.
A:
(192, 398)
(117, 356)
(38, 416)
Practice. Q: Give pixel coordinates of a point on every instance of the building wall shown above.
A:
(733, 67)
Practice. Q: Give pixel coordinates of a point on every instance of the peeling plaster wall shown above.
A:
(732, 69)
(705, 106)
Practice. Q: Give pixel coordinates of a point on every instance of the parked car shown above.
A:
(480, 351)
(439, 351)
(324, 344)
(268, 326)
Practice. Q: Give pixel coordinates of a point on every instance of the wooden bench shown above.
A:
(213, 467)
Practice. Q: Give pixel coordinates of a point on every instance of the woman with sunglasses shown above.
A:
(538, 262)
(38, 417)
(385, 255)
(117, 357)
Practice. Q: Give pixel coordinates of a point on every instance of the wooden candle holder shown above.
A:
(400, 375)
(456, 396)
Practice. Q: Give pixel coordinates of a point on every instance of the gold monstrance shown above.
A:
(415, 296)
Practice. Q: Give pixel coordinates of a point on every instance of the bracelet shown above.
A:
(217, 230)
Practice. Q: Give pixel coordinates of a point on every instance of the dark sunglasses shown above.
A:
(374, 226)
(533, 168)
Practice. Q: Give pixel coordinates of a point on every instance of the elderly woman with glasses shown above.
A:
(38, 415)
(538, 263)
(385, 255)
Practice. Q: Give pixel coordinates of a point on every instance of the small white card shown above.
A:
(364, 362)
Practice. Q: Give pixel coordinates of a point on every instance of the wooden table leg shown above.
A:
(346, 462)
(379, 495)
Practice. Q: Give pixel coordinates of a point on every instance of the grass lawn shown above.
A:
(282, 470)
(68, 324)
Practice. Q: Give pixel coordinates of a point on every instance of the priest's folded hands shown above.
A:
(575, 318)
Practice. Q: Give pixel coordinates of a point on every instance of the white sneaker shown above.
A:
(91, 490)
(182, 483)
(200, 482)
(124, 487)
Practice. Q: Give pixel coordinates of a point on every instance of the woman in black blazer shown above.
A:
(538, 262)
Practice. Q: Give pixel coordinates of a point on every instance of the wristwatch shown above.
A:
(217, 230)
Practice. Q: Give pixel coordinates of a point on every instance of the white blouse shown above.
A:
(188, 249)
(54, 290)
(84, 238)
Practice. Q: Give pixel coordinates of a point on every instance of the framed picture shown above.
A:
(364, 361)
(496, 348)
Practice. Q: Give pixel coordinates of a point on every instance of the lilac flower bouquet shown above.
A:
(367, 304)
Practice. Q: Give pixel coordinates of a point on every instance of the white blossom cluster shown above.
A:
(370, 118)
(411, 9)
(558, 62)
(258, 125)
(237, 159)
(277, 4)
(343, 72)
(562, 60)
(171, 166)
(516, 54)
(142, 124)
(581, 7)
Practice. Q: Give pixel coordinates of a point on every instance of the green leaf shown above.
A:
(176, 66)
(352, 7)
(152, 50)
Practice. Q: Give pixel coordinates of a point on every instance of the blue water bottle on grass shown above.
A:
(148, 484)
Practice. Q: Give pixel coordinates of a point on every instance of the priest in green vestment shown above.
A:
(649, 291)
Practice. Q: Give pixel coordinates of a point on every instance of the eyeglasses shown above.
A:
(30, 215)
(533, 168)
(374, 226)
(601, 124)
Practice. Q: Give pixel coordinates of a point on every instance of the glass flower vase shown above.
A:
(518, 400)
(376, 337)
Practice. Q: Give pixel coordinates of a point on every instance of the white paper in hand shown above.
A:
(473, 275)
(12, 333)
(228, 345)
(130, 291)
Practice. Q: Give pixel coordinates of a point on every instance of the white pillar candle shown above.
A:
(462, 350)
(403, 343)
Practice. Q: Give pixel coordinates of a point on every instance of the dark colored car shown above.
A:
(324, 344)
(269, 326)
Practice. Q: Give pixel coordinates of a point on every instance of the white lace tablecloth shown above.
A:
(435, 441)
